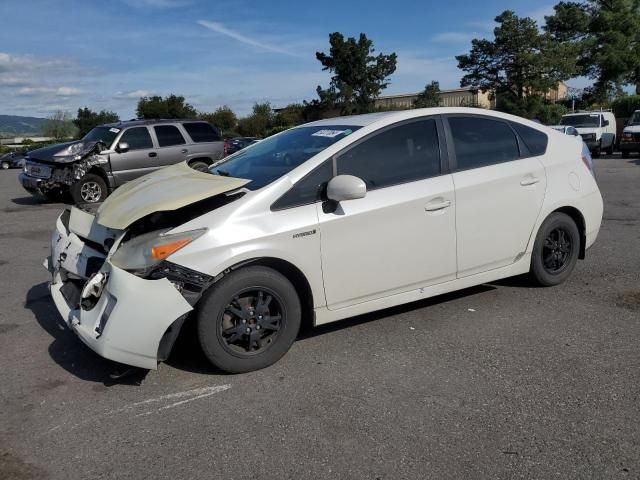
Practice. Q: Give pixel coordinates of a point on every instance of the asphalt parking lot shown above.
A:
(497, 381)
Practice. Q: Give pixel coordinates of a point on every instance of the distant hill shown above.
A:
(17, 125)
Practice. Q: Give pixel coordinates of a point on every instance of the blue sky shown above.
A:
(64, 54)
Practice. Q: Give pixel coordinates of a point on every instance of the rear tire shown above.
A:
(199, 165)
(89, 189)
(555, 250)
(248, 320)
(611, 147)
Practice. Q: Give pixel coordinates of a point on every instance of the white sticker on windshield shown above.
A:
(328, 133)
(114, 130)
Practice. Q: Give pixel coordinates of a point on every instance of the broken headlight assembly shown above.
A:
(140, 254)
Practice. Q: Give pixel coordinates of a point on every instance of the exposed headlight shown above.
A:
(72, 149)
(148, 250)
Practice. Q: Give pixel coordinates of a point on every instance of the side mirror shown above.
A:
(123, 147)
(605, 123)
(575, 133)
(346, 187)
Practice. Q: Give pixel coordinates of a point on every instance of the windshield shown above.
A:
(635, 119)
(273, 157)
(578, 121)
(104, 134)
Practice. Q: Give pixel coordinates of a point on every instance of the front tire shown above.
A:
(89, 189)
(248, 320)
(555, 250)
(199, 165)
(5, 165)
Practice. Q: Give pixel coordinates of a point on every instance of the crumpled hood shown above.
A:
(64, 152)
(169, 188)
(632, 129)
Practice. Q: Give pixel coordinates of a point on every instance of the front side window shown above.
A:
(168, 135)
(137, 138)
(201, 132)
(479, 142)
(404, 153)
(273, 157)
(309, 189)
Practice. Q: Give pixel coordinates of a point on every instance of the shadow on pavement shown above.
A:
(67, 350)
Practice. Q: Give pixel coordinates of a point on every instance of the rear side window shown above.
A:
(535, 141)
(404, 153)
(201, 132)
(168, 135)
(480, 142)
(308, 190)
(138, 138)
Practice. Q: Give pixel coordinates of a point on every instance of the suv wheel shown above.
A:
(555, 251)
(5, 165)
(89, 189)
(248, 320)
(199, 165)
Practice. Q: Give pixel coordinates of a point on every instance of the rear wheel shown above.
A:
(555, 251)
(5, 165)
(248, 320)
(610, 148)
(89, 189)
(199, 165)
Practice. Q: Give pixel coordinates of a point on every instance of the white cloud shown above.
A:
(222, 30)
(68, 91)
(58, 91)
(133, 94)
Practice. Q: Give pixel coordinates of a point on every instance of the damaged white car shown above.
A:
(324, 221)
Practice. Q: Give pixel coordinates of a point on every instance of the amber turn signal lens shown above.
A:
(160, 252)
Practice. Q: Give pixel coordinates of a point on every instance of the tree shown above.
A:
(290, 116)
(173, 106)
(88, 119)
(223, 118)
(358, 76)
(606, 36)
(258, 122)
(520, 60)
(59, 126)
(429, 97)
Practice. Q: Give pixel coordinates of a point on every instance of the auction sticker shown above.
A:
(329, 133)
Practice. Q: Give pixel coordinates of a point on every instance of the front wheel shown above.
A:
(5, 165)
(555, 250)
(248, 320)
(89, 189)
(199, 165)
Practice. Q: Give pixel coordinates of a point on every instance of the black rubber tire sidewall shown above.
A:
(89, 177)
(217, 298)
(202, 166)
(538, 273)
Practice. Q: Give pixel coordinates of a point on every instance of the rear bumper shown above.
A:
(127, 320)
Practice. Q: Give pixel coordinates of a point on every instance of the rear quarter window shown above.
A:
(535, 141)
(202, 132)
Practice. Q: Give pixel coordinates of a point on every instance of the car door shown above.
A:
(172, 146)
(139, 159)
(401, 235)
(499, 183)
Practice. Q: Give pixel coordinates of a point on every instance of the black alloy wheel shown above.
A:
(555, 250)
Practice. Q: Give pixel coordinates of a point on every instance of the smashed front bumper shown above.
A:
(123, 318)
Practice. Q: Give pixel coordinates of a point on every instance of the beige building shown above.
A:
(460, 97)
(456, 97)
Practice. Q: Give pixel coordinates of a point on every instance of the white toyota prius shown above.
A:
(324, 221)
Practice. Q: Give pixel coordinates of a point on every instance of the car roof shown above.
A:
(155, 121)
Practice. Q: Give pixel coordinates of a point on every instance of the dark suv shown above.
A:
(112, 154)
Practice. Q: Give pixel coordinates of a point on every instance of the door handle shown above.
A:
(433, 207)
(525, 182)
(153, 154)
(184, 150)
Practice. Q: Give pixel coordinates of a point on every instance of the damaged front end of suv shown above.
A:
(54, 170)
(100, 256)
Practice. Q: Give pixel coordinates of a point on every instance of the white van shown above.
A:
(630, 141)
(597, 129)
